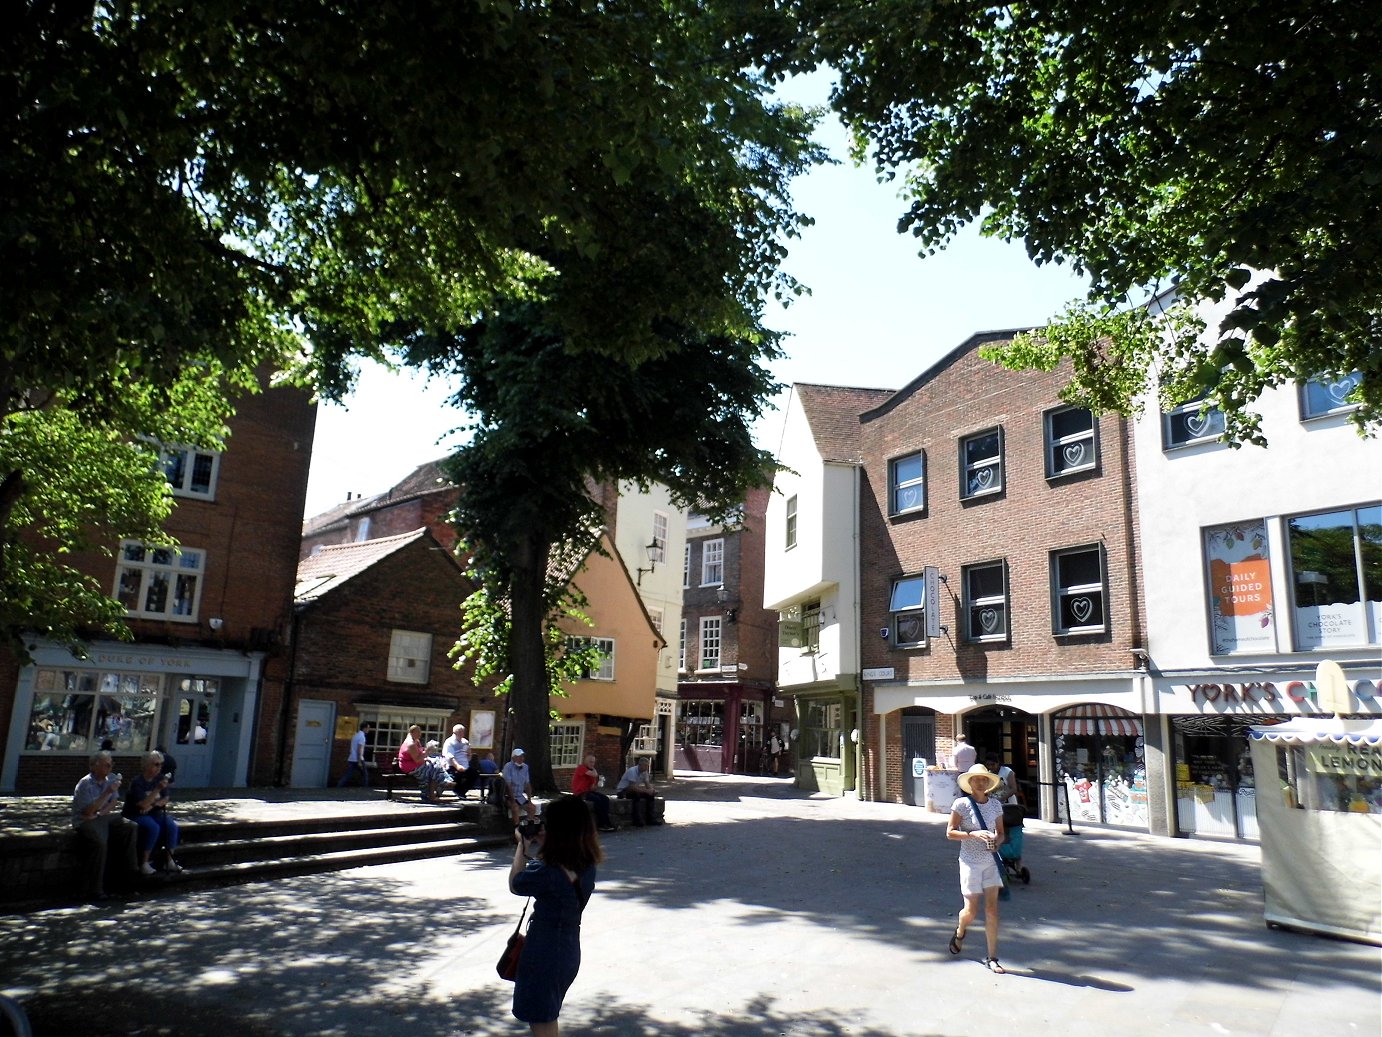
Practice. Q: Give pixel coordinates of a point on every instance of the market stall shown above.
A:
(1321, 824)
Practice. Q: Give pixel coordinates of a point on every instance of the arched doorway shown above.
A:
(1010, 735)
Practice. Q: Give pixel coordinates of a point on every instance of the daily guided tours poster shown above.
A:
(1240, 593)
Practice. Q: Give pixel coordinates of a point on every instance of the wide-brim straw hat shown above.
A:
(978, 771)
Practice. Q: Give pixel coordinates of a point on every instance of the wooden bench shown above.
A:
(387, 770)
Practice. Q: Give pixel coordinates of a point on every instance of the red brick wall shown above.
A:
(1030, 518)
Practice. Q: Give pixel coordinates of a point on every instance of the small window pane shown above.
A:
(1321, 396)
(908, 593)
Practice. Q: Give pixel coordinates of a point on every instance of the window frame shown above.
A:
(717, 624)
(707, 565)
(790, 524)
(1059, 593)
(1368, 623)
(1054, 445)
(1184, 414)
(661, 523)
(1303, 396)
(173, 572)
(811, 626)
(559, 744)
(998, 465)
(188, 463)
(971, 603)
(897, 486)
(918, 610)
(686, 567)
(681, 650)
(395, 670)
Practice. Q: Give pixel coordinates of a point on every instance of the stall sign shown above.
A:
(1357, 761)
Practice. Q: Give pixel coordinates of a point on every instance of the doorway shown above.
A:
(1010, 735)
(918, 743)
(312, 744)
(191, 729)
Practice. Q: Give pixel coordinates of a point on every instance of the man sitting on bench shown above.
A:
(637, 785)
(464, 768)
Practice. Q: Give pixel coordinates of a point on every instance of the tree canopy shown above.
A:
(192, 191)
(550, 424)
(1226, 151)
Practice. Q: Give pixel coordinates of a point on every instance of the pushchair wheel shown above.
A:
(1026, 876)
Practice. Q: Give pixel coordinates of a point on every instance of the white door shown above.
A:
(312, 745)
(191, 733)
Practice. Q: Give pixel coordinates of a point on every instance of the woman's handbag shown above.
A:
(513, 950)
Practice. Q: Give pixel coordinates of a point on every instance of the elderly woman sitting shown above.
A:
(146, 804)
(430, 771)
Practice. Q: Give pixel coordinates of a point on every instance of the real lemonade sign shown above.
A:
(1357, 761)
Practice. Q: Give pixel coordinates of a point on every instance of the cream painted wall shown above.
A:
(661, 588)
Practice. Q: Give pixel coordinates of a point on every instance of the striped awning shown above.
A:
(1097, 718)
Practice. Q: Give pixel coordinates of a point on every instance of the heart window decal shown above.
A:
(1074, 454)
(1339, 390)
(1196, 424)
(908, 498)
(988, 620)
(1081, 608)
(982, 479)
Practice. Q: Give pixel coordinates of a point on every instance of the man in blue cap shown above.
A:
(518, 782)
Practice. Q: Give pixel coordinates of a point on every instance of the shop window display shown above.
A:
(1216, 790)
(77, 710)
(1101, 760)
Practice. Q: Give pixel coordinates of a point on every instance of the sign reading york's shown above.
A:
(1254, 696)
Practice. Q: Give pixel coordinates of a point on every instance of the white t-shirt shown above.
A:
(973, 850)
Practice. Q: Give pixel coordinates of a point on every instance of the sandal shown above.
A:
(957, 941)
(993, 966)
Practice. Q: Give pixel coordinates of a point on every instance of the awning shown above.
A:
(1096, 718)
(1323, 731)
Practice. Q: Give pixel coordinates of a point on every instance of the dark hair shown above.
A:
(569, 838)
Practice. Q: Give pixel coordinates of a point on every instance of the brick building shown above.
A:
(205, 672)
(982, 494)
(726, 689)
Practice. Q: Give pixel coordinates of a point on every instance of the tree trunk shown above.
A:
(530, 698)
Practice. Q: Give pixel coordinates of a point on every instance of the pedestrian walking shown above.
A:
(556, 867)
(355, 761)
(976, 822)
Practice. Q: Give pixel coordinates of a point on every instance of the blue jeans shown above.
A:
(351, 767)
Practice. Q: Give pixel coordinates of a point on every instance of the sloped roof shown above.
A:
(330, 567)
(832, 412)
(424, 479)
(970, 344)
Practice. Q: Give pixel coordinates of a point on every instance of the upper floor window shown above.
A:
(710, 643)
(811, 626)
(1336, 569)
(712, 562)
(190, 472)
(981, 463)
(986, 601)
(907, 483)
(790, 537)
(658, 552)
(1191, 423)
(681, 650)
(604, 671)
(410, 657)
(655, 614)
(1071, 444)
(686, 567)
(907, 605)
(568, 738)
(1078, 591)
(159, 582)
(1322, 396)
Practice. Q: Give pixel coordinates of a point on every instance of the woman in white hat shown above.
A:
(976, 822)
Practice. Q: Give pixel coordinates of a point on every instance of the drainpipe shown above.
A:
(289, 687)
(860, 792)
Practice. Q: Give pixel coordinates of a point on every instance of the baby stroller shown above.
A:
(1011, 848)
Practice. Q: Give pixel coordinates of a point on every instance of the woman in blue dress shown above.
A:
(556, 867)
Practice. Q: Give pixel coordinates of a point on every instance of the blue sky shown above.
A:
(878, 315)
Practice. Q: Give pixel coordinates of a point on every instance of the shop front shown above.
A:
(1100, 760)
(722, 727)
(198, 704)
(1215, 784)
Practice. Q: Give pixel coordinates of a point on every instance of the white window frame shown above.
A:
(681, 650)
(975, 632)
(410, 657)
(712, 634)
(1185, 426)
(811, 626)
(605, 672)
(188, 456)
(1335, 391)
(656, 615)
(790, 525)
(141, 567)
(645, 741)
(1060, 592)
(567, 743)
(660, 525)
(900, 487)
(1058, 448)
(970, 470)
(390, 725)
(713, 562)
(686, 567)
(907, 606)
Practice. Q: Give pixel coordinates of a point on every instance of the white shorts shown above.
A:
(975, 878)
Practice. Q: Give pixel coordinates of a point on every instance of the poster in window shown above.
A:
(1241, 614)
(482, 729)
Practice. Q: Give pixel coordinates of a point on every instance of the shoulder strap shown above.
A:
(983, 822)
(522, 915)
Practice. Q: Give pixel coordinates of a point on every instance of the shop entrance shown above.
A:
(1100, 758)
(918, 742)
(1011, 736)
(1216, 792)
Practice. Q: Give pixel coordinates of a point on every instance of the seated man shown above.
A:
(486, 765)
(637, 785)
(518, 787)
(462, 766)
(583, 784)
(97, 819)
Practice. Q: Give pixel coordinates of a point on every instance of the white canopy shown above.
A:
(1321, 731)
